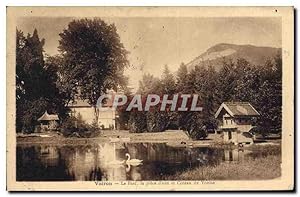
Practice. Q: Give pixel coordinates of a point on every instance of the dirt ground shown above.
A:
(175, 138)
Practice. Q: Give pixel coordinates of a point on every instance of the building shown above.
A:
(107, 115)
(236, 119)
(48, 122)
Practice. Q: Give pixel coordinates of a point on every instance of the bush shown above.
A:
(156, 121)
(137, 122)
(195, 126)
(151, 121)
(77, 125)
(198, 133)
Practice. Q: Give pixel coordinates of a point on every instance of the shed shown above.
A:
(48, 121)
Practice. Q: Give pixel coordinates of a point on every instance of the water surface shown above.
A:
(93, 162)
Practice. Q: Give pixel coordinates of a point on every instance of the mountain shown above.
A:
(215, 55)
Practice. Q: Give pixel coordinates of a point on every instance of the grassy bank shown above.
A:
(174, 138)
(160, 137)
(266, 165)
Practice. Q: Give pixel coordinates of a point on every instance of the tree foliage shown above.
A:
(261, 85)
(36, 89)
(94, 58)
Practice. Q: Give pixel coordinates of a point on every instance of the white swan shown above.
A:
(133, 162)
(128, 167)
(116, 162)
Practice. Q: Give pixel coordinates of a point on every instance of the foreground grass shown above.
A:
(250, 169)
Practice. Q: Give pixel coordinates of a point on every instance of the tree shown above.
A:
(168, 82)
(137, 122)
(227, 81)
(29, 66)
(261, 86)
(248, 82)
(64, 82)
(29, 72)
(168, 119)
(20, 76)
(201, 81)
(181, 78)
(36, 89)
(270, 96)
(157, 121)
(150, 121)
(209, 98)
(150, 85)
(95, 58)
(57, 90)
(195, 126)
(124, 116)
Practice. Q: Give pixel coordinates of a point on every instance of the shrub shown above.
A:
(195, 126)
(156, 121)
(137, 122)
(198, 133)
(77, 125)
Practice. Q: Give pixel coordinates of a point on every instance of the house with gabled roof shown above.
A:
(107, 117)
(237, 119)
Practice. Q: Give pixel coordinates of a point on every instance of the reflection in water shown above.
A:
(235, 155)
(87, 163)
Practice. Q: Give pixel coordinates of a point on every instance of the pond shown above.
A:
(100, 162)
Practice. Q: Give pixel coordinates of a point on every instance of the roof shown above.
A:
(79, 103)
(84, 103)
(237, 109)
(48, 117)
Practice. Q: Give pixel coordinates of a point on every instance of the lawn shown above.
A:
(261, 165)
(105, 136)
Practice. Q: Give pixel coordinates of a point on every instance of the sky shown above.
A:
(155, 42)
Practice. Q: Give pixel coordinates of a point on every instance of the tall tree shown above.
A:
(168, 81)
(94, 57)
(168, 119)
(149, 85)
(227, 81)
(153, 118)
(35, 82)
(181, 78)
(210, 98)
(270, 96)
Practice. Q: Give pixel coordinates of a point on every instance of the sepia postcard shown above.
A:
(150, 98)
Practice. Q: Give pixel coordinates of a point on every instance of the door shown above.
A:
(229, 135)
